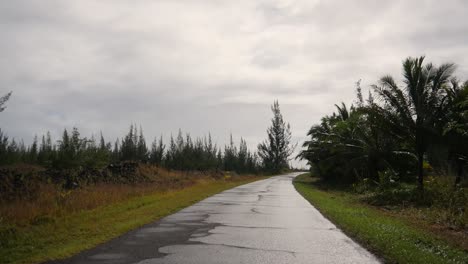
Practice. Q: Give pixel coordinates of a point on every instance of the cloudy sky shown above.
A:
(207, 65)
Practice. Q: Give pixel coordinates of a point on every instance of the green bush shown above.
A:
(402, 194)
(453, 200)
(387, 180)
(363, 186)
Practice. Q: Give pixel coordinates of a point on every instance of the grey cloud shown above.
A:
(207, 65)
(269, 60)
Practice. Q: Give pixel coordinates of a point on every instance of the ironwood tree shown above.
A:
(275, 151)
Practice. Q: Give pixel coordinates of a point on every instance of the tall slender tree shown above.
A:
(157, 151)
(275, 151)
(141, 148)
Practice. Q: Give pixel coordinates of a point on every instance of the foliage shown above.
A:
(156, 153)
(3, 100)
(275, 151)
(355, 144)
(423, 121)
(420, 107)
(74, 151)
(451, 202)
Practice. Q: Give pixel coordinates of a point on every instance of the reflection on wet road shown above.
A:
(262, 222)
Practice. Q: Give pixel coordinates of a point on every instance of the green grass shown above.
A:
(57, 238)
(391, 238)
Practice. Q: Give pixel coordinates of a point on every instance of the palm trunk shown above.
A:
(421, 171)
(420, 147)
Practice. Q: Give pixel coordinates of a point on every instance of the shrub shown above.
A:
(363, 186)
(450, 198)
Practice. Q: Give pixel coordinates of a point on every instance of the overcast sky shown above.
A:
(207, 65)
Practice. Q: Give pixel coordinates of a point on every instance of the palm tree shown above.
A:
(455, 131)
(420, 104)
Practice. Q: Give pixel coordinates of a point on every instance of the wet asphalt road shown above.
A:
(262, 222)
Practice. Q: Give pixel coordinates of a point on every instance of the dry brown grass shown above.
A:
(58, 223)
(52, 201)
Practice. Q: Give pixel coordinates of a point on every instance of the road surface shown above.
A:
(262, 222)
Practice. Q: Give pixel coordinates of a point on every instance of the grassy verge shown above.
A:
(61, 237)
(390, 237)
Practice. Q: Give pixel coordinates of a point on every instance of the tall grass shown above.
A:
(59, 223)
(52, 200)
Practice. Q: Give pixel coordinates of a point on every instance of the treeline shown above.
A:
(182, 153)
(398, 132)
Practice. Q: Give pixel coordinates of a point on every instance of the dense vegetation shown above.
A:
(74, 160)
(73, 151)
(405, 145)
(182, 153)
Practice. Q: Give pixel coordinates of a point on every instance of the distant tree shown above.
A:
(242, 156)
(230, 156)
(13, 152)
(102, 143)
(180, 141)
(72, 151)
(3, 100)
(4, 142)
(209, 151)
(116, 151)
(46, 152)
(275, 151)
(128, 147)
(33, 149)
(66, 151)
(156, 154)
(141, 149)
(219, 160)
(171, 154)
(101, 155)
